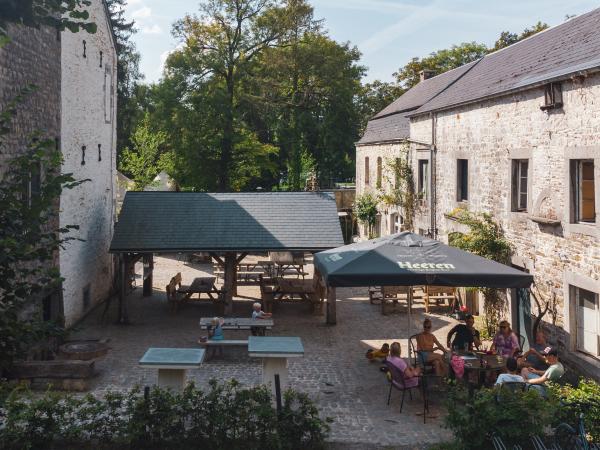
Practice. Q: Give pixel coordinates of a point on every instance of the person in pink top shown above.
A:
(505, 342)
(411, 374)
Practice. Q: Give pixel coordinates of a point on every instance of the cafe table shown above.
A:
(172, 364)
(481, 363)
(275, 351)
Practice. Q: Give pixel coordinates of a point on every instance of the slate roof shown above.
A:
(191, 221)
(555, 53)
(392, 123)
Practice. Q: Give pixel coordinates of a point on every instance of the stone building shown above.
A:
(75, 104)
(516, 134)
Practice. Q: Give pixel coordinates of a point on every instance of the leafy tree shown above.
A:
(507, 38)
(29, 238)
(440, 61)
(147, 158)
(220, 45)
(365, 209)
(129, 112)
(63, 14)
(374, 97)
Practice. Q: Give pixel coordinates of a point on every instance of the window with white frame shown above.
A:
(519, 184)
(583, 197)
(396, 222)
(423, 179)
(588, 321)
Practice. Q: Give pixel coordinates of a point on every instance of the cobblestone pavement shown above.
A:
(334, 370)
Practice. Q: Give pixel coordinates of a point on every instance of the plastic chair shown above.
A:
(397, 380)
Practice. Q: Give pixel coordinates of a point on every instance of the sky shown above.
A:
(387, 32)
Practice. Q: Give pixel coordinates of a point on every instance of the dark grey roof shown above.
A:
(392, 123)
(421, 93)
(390, 128)
(560, 51)
(191, 221)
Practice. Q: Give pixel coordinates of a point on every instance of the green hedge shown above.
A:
(225, 416)
(515, 417)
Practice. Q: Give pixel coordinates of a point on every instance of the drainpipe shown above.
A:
(432, 178)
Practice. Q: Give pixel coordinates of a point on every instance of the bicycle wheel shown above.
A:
(567, 438)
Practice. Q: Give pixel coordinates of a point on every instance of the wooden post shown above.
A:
(229, 281)
(123, 284)
(148, 274)
(331, 299)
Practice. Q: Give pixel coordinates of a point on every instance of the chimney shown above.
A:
(426, 74)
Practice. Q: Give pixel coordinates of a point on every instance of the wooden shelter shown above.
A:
(228, 226)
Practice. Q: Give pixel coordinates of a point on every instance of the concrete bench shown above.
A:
(214, 345)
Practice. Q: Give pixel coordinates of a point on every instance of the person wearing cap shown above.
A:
(538, 379)
(466, 337)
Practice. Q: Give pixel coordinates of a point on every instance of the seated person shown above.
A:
(467, 336)
(382, 353)
(411, 374)
(505, 342)
(257, 314)
(511, 376)
(426, 344)
(536, 356)
(215, 330)
(537, 378)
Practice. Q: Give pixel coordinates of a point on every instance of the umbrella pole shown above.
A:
(409, 298)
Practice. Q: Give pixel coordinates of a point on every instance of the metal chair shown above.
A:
(418, 359)
(397, 380)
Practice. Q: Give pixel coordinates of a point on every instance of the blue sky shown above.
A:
(387, 32)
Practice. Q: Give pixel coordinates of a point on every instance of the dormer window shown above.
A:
(552, 96)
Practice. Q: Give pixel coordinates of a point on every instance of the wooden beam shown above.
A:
(229, 280)
(331, 300)
(148, 274)
(218, 260)
(123, 284)
(241, 258)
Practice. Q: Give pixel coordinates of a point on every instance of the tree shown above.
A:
(374, 97)
(147, 158)
(507, 38)
(63, 14)
(439, 62)
(220, 45)
(29, 192)
(129, 113)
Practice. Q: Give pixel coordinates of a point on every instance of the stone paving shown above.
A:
(334, 371)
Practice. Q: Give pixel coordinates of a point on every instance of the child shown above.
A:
(382, 353)
(215, 330)
(257, 314)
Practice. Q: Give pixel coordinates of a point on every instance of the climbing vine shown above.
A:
(403, 192)
(485, 238)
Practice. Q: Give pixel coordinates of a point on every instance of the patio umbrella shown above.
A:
(408, 259)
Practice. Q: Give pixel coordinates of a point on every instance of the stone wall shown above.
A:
(88, 120)
(489, 134)
(31, 58)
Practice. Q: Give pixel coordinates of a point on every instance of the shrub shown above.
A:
(513, 416)
(225, 416)
(585, 398)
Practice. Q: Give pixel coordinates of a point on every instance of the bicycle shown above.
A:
(566, 437)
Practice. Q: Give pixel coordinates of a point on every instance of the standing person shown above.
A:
(426, 345)
(536, 356)
(257, 314)
(467, 336)
(411, 374)
(505, 342)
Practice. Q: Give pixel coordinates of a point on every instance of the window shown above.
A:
(396, 222)
(397, 173)
(520, 168)
(84, 49)
(108, 95)
(377, 228)
(583, 197)
(86, 297)
(101, 56)
(379, 169)
(552, 96)
(588, 321)
(462, 180)
(99, 152)
(367, 170)
(83, 155)
(423, 181)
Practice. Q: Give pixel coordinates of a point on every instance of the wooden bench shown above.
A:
(312, 291)
(218, 345)
(177, 295)
(438, 293)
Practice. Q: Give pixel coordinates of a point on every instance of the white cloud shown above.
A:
(164, 55)
(133, 2)
(152, 29)
(142, 13)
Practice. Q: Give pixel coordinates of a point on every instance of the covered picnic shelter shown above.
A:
(228, 226)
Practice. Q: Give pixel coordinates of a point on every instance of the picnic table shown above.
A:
(172, 364)
(201, 285)
(274, 351)
(238, 323)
